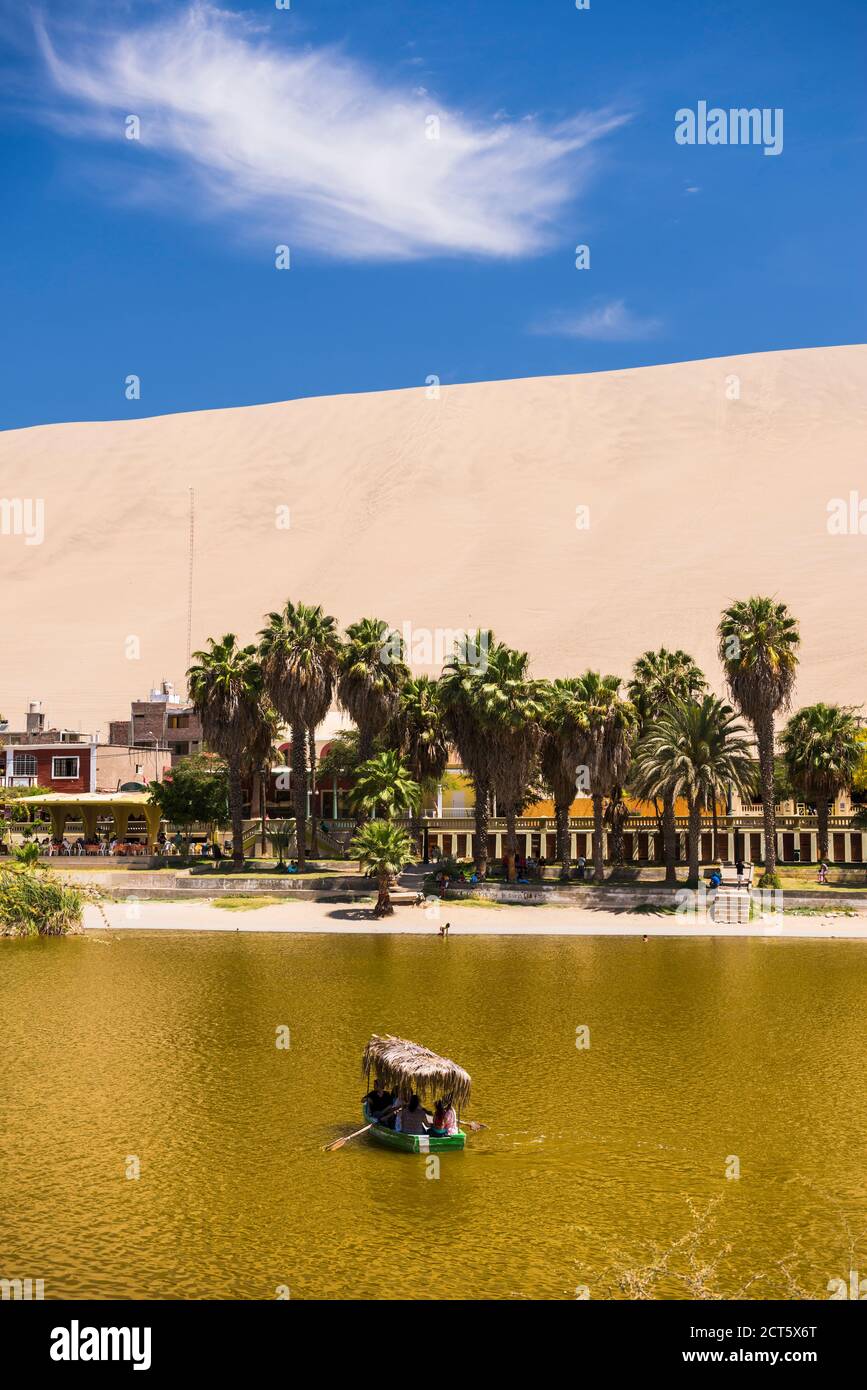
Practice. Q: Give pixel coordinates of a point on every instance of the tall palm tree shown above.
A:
(459, 688)
(512, 707)
(300, 650)
(564, 748)
(613, 726)
(372, 670)
(658, 679)
(226, 689)
(693, 750)
(615, 816)
(758, 648)
(823, 749)
(384, 784)
(421, 736)
(383, 849)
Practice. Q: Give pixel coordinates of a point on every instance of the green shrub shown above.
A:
(34, 903)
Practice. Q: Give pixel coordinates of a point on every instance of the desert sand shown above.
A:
(463, 920)
(705, 481)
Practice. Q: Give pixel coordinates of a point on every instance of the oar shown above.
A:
(473, 1125)
(338, 1143)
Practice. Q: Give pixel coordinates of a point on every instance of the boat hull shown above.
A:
(416, 1143)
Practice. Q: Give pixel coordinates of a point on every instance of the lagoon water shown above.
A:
(602, 1171)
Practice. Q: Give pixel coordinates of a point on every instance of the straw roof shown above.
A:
(406, 1067)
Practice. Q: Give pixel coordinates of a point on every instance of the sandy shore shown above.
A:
(464, 921)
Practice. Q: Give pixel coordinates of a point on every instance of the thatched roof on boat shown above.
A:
(406, 1067)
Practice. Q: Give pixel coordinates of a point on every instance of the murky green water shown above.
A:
(603, 1167)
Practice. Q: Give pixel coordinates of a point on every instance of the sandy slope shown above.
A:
(448, 513)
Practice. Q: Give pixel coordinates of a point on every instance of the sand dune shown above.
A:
(447, 513)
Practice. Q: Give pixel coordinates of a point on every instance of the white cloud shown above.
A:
(612, 323)
(315, 147)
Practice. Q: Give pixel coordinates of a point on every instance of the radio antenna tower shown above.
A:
(190, 578)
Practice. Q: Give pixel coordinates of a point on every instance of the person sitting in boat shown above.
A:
(445, 1121)
(380, 1103)
(413, 1118)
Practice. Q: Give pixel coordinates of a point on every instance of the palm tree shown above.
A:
(615, 816)
(459, 696)
(382, 848)
(613, 726)
(512, 706)
(300, 650)
(659, 678)
(226, 689)
(421, 736)
(564, 748)
(823, 749)
(758, 648)
(384, 784)
(372, 670)
(694, 750)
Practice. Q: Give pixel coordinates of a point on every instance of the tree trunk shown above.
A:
(314, 820)
(765, 740)
(266, 778)
(617, 840)
(365, 751)
(511, 843)
(480, 846)
(236, 809)
(299, 792)
(669, 840)
(822, 818)
(383, 900)
(598, 858)
(564, 838)
(694, 844)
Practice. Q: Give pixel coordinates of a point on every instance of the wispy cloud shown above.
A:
(612, 322)
(315, 145)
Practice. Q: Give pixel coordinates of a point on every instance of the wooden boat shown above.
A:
(406, 1068)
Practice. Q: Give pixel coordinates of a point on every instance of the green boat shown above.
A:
(415, 1143)
(407, 1069)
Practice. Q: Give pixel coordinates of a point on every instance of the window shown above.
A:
(24, 765)
(64, 768)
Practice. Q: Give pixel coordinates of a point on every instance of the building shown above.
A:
(735, 832)
(39, 756)
(64, 760)
(164, 720)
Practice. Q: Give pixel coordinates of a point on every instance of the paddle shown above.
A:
(338, 1143)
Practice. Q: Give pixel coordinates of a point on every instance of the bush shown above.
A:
(768, 880)
(34, 903)
(450, 867)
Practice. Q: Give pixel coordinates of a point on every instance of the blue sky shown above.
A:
(413, 256)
